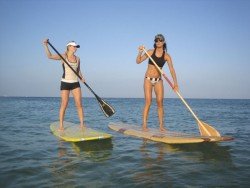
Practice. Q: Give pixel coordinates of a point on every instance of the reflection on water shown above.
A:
(64, 167)
(153, 164)
(159, 160)
(203, 151)
(76, 156)
(98, 150)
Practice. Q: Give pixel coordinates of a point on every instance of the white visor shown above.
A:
(72, 43)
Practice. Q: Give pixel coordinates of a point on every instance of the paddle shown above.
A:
(106, 108)
(205, 129)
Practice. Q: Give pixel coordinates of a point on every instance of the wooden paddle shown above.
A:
(205, 129)
(106, 108)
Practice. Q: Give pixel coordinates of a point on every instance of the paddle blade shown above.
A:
(207, 130)
(106, 108)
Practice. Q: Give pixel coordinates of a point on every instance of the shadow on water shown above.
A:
(95, 145)
(97, 150)
(206, 151)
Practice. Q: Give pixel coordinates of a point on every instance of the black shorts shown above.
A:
(69, 86)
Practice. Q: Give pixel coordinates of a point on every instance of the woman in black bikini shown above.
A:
(153, 78)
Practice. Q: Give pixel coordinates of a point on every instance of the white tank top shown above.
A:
(68, 75)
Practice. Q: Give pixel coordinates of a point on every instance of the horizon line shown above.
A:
(125, 97)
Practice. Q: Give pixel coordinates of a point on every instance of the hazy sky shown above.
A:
(208, 40)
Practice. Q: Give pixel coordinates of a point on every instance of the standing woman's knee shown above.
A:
(78, 104)
(148, 102)
(64, 103)
(160, 103)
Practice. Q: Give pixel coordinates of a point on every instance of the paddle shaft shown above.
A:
(179, 95)
(98, 98)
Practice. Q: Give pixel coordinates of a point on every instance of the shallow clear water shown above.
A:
(31, 156)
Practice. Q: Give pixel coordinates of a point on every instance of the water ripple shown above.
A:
(31, 156)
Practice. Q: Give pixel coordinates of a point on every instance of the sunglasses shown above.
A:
(159, 40)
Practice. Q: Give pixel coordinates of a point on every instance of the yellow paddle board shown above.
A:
(73, 133)
(165, 137)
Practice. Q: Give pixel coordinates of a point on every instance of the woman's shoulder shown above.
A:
(150, 51)
(167, 56)
(77, 58)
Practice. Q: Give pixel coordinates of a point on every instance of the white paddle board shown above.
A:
(165, 137)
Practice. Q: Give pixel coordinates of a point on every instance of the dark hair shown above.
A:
(164, 46)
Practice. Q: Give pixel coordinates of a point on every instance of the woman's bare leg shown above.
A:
(148, 98)
(64, 104)
(77, 94)
(159, 92)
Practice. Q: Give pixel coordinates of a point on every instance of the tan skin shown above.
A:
(77, 94)
(158, 87)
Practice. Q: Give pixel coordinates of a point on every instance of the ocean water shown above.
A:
(30, 156)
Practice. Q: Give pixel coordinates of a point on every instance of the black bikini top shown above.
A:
(160, 61)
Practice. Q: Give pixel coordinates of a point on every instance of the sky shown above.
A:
(208, 41)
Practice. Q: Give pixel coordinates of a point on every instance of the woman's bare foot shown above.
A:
(82, 126)
(162, 129)
(144, 127)
(61, 130)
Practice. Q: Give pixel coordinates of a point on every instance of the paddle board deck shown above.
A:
(73, 133)
(165, 137)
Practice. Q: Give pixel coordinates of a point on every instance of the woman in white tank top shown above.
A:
(69, 81)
